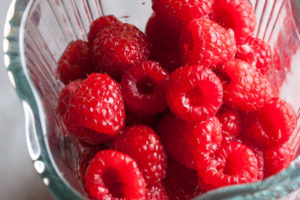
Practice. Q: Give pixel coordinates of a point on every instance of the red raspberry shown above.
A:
(161, 36)
(180, 182)
(156, 192)
(75, 62)
(178, 13)
(206, 43)
(231, 123)
(114, 175)
(194, 93)
(273, 124)
(277, 159)
(246, 53)
(236, 14)
(144, 146)
(96, 106)
(118, 48)
(237, 164)
(99, 24)
(65, 96)
(258, 153)
(144, 84)
(245, 88)
(185, 140)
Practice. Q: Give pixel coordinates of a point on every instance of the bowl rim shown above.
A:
(15, 62)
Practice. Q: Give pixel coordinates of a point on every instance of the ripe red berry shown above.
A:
(160, 35)
(97, 106)
(114, 175)
(156, 192)
(237, 164)
(75, 63)
(144, 146)
(118, 48)
(231, 123)
(246, 53)
(273, 124)
(99, 24)
(186, 140)
(180, 182)
(237, 15)
(65, 96)
(263, 54)
(277, 159)
(194, 93)
(206, 43)
(143, 88)
(244, 87)
(178, 13)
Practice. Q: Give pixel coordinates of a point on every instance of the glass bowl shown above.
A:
(38, 31)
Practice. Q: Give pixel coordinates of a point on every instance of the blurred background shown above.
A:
(18, 180)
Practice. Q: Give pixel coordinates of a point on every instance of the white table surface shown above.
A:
(18, 180)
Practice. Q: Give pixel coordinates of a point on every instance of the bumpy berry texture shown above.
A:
(97, 105)
(206, 43)
(75, 63)
(277, 159)
(156, 192)
(160, 35)
(143, 88)
(231, 122)
(273, 124)
(118, 48)
(178, 13)
(262, 53)
(237, 15)
(114, 175)
(185, 141)
(246, 53)
(144, 146)
(194, 93)
(65, 96)
(244, 87)
(237, 164)
(180, 182)
(99, 24)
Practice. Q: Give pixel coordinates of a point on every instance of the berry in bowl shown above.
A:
(159, 99)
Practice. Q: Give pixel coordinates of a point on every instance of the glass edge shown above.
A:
(26, 91)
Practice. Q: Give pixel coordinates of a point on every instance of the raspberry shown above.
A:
(180, 182)
(144, 146)
(75, 63)
(237, 15)
(170, 60)
(156, 192)
(118, 48)
(194, 93)
(97, 107)
(238, 164)
(160, 36)
(114, 175)
(273, 124)
(277, 159)
(246, 53)
(178, 13)
(206, 43)
(185, 140)
(99, 24)
(144, 84)
(259, 156)
(245, 88)
(231, 123)
(65, 96)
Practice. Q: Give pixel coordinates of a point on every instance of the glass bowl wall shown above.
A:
(38, 31)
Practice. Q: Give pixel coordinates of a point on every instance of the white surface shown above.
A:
(18, 180)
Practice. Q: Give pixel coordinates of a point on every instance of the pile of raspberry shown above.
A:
(181, 110)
